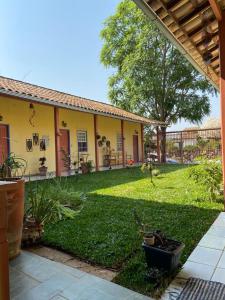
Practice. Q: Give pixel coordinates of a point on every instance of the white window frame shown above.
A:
(85, 140)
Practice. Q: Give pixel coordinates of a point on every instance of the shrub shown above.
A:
(61, 191)
(149, 169)
(209, 174)
(74, 200)
(41, 207)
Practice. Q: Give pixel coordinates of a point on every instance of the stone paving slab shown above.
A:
(69, 260)
(36, 278)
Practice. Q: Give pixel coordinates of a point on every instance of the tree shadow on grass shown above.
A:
(105, 233)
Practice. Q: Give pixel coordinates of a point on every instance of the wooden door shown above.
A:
(135, 148)
(64, 148)
(4, 143)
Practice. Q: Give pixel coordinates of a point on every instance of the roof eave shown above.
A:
(167, 33)
(26, 97)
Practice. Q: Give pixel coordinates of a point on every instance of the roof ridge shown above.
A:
(69, 94)
(75, 96)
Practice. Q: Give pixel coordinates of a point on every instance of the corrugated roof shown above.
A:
(40, 94)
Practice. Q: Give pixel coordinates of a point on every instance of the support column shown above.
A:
(122, 137)
(57, 141)
(96, 143)
(222, 89)
(158, 143)
(142, 144)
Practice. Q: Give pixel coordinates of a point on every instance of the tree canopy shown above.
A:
(150, 77)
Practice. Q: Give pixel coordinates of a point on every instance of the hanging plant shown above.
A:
(100, 143)
(108, 143)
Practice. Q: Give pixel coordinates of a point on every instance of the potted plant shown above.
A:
(75, 164)
(86, 167)
(68, 163)
(160, 251)
(43, 169)
(41, 208)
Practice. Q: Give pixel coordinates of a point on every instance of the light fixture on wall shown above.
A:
(64, 124)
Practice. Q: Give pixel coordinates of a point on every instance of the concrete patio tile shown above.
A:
(220, 221)
(20, 282)
(69, 270)
(49, 289)
(40, 271)
(24, 258)
(221, 263)
(205, 256)
(88, 293)
(219, 275)
(102, 289)
(61, 282)
(218, 231)
(212, 241)
(58, 297)
(192, 269)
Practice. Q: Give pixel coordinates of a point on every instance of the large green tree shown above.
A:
(151, 77)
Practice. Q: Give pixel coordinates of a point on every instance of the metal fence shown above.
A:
(185, 146)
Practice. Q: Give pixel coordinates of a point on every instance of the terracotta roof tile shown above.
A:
(41, 94)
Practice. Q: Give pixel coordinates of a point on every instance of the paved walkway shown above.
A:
(36, 278)
(207, 261)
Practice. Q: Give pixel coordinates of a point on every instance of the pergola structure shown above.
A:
(197, 29)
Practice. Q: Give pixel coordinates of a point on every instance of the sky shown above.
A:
(56, 44)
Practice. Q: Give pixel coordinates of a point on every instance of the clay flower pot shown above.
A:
(43, 171)
(32, 232)
(149, 240)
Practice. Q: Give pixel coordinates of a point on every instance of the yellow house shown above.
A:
(38, 122)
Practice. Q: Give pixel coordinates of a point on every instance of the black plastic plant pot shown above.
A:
(163, 259)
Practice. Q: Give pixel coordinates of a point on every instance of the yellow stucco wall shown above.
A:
(109, 128)
(130, 129)
(16, 114)
(78, 121)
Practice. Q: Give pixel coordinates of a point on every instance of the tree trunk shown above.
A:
(163, 144)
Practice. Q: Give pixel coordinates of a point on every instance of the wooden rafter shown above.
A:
(194, 13)
(216, 9)
(191, 25)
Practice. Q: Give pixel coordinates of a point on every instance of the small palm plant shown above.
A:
(13, 166)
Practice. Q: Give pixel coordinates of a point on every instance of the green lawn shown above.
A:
(105, 233)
